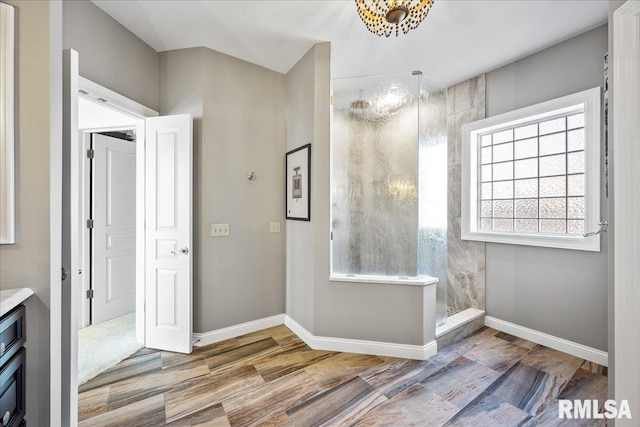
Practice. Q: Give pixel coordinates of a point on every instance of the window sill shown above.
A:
(565, 242)
(385, 280)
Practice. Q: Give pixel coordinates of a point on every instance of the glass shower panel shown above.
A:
(389, 175)
(432, 189)
(374, 179)
(388, 179)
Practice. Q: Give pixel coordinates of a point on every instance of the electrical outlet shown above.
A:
(274, 227)
(218, 230)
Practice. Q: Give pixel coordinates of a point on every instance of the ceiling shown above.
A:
(458, 40)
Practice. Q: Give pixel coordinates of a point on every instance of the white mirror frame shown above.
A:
(7, 143)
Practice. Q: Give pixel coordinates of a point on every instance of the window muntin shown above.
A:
(531, 176)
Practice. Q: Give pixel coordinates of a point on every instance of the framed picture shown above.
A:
(298, 187)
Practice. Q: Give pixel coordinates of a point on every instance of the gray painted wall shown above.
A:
(387, 313)
(181, 87)
(26, 263)
(555, 291)
(111, 55)
(243, 275)
(299, 113)
(239, 128)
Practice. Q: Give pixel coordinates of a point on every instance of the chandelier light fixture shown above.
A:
(383, 16)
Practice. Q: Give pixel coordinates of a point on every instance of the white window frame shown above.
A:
(591, 101)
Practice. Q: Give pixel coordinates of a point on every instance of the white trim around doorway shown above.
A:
(626, 203)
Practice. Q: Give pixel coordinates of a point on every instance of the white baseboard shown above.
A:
(376, 348)
(234, 331)
(582, 351)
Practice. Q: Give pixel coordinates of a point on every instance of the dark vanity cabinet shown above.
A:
(12, 368)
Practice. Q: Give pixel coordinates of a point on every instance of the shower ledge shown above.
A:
(459, 319)
(385, 280)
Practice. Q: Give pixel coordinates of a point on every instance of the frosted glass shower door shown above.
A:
(389, 179)
(375, 175)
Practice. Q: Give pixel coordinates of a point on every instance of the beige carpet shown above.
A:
(103, 345)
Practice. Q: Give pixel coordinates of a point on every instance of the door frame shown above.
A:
(626, 230)
(84, 187)
(96, 93)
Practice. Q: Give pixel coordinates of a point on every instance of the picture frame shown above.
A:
(7, 115)
(298, 184)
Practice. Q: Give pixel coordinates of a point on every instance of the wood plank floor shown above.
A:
(272, 378)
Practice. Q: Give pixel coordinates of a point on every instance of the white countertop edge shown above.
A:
(11, 298)
(385, 280)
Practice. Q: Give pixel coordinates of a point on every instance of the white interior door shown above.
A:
(114, 228)
(168, 187)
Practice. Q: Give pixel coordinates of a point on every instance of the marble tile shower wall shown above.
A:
(466, 259)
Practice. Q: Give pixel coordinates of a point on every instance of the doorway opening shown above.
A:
(108, 235)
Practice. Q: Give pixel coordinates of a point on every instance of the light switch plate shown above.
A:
(219, 230)
(274, 227)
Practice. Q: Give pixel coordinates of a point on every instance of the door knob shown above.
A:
(184, 251)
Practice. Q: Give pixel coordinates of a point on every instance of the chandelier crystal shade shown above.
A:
(382, 17)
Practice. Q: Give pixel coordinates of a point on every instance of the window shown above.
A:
(531, 176)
